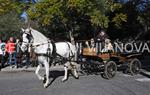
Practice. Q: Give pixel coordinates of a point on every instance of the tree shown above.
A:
(132, 27)
(5, 6)
(74, 16)
(10, 23)
(66, 18)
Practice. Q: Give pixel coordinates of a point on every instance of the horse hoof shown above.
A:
(63, 80)
(77, 77)
(46, 85)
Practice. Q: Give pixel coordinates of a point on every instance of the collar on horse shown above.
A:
(49, 54)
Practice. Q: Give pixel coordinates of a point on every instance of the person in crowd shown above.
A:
(92, 43)
(108, 46)
(2, 52)
(102, 36)
(0, 55)
(87, 44)
(26, 57)
(18, 52)
(10, 48)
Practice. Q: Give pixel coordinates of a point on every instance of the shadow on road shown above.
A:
(146, 66)
(143, 73)
(55, 74)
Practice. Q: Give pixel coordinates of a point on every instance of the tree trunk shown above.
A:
(71, 37)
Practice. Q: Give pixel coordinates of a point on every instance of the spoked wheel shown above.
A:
(82, 67)
(85, 67)
(110, 70)
(134, 66)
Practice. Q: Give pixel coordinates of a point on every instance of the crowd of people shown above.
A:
(10, 51)
(10, 54)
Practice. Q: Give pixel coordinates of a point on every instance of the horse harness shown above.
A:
(54, 57)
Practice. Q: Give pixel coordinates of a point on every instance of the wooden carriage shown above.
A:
(108, 62)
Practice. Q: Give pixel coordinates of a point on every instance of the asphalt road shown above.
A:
(25, 82)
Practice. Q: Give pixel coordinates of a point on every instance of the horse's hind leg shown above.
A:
(74, 70)
(37, 72)
(46, 65)
(66, 65)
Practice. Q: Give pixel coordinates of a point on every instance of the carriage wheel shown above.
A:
(135, 66)
(110, 70)
(85, 67)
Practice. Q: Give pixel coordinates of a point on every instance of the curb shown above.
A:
(29, 69)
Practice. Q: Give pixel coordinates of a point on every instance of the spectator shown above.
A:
(10, 48)
(18, 52)
(2, 52)
(108, 46)
(102, 36)
(92, 42)
(27, 58)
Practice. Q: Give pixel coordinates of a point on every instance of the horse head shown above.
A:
(26, 38)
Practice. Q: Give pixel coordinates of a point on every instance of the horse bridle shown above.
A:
(29, 36)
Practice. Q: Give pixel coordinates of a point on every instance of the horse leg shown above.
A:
(37, 72)
(66, 72)
(74, 70)
(46, 64)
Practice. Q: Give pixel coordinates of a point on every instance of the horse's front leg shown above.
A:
(46, 65)
(37, 72)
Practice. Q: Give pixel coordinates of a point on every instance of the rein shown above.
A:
(41, 44)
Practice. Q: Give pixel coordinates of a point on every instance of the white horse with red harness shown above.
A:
(45, 50)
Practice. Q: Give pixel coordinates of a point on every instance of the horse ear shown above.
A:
(30, 28)
(23, 30)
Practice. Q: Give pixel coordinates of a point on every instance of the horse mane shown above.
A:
(38, 37)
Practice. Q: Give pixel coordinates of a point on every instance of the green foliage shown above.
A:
(9, 18)
(10, 24)
(129, 20)
(69, 15)
(5, 6)
(99, 19)
(59, 17)
(48, 10)
(116, 6)
(119, 18)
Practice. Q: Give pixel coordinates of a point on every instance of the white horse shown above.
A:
(44, 49)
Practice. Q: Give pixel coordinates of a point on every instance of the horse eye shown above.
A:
(28, 36)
